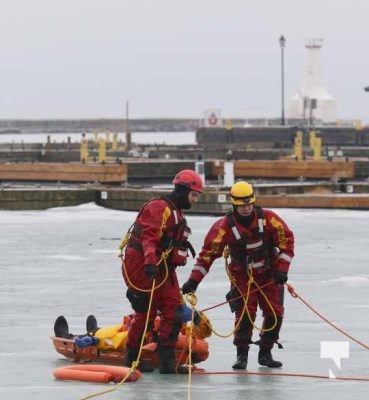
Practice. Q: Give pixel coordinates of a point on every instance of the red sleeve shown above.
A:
(214, 243)
(282, 237)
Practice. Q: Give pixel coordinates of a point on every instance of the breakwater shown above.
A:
(213, 201)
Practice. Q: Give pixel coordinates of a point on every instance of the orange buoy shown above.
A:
(96, 373)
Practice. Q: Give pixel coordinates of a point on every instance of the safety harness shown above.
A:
(177, 241)
(260, 249)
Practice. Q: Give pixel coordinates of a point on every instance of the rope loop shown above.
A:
(191, 298)
(291, 290)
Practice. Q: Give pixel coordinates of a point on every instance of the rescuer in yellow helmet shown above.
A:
(261, 248)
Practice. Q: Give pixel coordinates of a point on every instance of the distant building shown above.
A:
(312, 101)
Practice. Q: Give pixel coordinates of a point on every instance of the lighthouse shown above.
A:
(312, 101)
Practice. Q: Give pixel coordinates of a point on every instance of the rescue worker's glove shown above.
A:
(189, 286)
(280, 277)
(151, 271)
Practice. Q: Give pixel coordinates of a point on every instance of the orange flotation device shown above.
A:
(96, 373)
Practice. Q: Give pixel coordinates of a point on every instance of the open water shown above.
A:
(64, 261)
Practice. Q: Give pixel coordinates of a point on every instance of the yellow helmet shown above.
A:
(242, 193)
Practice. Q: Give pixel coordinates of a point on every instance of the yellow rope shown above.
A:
(245, 298)
(192, 299)
(268, 303)
(135, 363)
(163, 259)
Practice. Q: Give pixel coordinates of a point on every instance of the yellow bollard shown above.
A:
(312, 137)
(317, 148)
(228, 124)
(114, 143)
(102, 151)
(298, 146)
(84, 151)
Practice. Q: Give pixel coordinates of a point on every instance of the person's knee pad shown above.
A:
(234, 299)
(139, 300)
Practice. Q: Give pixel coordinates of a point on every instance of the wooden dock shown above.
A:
(63, 172)
(278, 184)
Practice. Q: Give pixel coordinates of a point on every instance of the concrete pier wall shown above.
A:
(214, 200)
(43, 198)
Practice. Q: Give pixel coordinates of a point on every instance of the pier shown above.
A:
(126, 186)
(44, 175)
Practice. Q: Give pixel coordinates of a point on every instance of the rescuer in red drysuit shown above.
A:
(261, 248)
(160, 227)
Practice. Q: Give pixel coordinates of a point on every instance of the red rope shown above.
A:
(236, 298)
(342, 378)
(296, 295)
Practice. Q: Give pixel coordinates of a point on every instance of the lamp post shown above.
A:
(282, 44)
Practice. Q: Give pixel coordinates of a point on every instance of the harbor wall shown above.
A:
(213, 201)
(37, 198)
(282, 136)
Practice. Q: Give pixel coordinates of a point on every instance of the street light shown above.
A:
(282, 44)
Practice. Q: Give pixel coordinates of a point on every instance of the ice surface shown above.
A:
(65, 261)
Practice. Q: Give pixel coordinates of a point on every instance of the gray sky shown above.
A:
(170, 58)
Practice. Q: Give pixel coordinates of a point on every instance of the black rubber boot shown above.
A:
(131, 356)
(242, 357)
(265, 358)
(91, 325)
(167, 361)
(61, 328)
(267, 340)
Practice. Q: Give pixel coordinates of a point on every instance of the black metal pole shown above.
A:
(282, 43)
(282, 65)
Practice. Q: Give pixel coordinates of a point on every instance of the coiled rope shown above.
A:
(245, 297)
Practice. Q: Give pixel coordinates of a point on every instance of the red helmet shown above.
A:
(190, 179)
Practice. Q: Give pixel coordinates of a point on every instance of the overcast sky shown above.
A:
(170, 58)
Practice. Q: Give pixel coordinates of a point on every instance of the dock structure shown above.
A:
(126, 186)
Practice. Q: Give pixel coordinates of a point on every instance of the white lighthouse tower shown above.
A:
(312, 101)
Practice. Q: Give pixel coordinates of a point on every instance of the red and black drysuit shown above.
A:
(160, 225)
(259, 248)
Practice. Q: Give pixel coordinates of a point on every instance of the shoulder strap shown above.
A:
(236, 233)
(172, 207)
(261, 220)
(232, 225)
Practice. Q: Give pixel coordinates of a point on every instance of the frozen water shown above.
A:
(64, 261)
